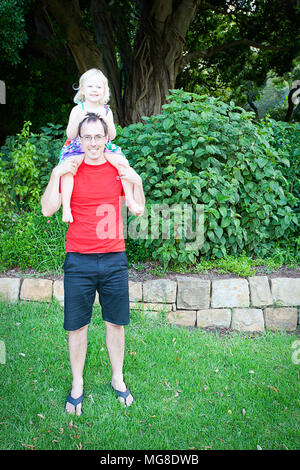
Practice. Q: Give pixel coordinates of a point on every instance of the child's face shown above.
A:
(93, 89)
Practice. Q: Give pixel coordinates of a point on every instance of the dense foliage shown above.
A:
(44, 51)
(12, 29)
(25, 165)
(200, 150)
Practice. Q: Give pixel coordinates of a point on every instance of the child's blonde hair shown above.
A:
(79, 97)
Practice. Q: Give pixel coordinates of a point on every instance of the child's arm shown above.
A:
(76, 116)
(109, 119)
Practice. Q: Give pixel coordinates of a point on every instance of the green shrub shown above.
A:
(34, 241)
(25, 166)
(203, 151)
(31, 240)
(198, 151)
(286, 140)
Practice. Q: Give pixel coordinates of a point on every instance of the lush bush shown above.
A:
(27, 239)
(198, 151)
(34, 241)
(25, 166)
(201, 150)
(286, 140)
(31, 240)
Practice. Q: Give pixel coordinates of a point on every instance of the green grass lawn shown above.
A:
(194, 389)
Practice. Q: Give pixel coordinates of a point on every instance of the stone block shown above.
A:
(217, 317)
(282, 318)
(135, 291)
(286, 291)
(182, 317)
(9, 288)
(36, 289)
(150, 306)
(230, 293)
(260, 291)
(152, 310)
(192, 293)
(247, 319)
(58, 291)
(160, 291)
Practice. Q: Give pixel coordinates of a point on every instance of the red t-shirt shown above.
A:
(96, 206)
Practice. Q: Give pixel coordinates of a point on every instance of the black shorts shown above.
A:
(84, 274)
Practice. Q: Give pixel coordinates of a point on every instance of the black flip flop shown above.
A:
(75, 402)
(123, 395)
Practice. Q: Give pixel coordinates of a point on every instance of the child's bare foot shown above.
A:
(134, 207)
(67, 215)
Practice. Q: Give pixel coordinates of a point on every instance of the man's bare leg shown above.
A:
(77, 353)
(115, 343)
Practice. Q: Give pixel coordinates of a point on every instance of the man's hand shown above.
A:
(51, 199)
(70, 165)
(136, 205)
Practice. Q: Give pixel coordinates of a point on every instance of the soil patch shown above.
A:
(145, 273)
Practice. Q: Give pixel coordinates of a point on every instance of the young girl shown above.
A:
(92, 96)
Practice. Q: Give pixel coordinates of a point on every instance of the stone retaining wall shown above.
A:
(251, 304)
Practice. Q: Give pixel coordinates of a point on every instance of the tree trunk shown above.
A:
(158, 52)
(85, 51)
(102, 24)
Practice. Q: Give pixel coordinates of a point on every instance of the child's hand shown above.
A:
(103, 115)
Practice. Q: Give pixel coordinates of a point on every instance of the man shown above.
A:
(95, 254)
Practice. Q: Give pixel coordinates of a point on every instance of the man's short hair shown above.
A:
(93, 117)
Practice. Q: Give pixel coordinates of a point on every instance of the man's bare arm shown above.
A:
(51, 199)
(130, 175)
(138, 193)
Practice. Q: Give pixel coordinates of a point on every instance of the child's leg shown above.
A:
(67, 183)
(118, 160)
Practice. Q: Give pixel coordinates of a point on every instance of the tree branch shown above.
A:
(211, 51)
(184, 15)
(79, 39)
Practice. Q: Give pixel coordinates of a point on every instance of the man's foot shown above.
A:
(123, 393)
(67, 215)
(74, 401)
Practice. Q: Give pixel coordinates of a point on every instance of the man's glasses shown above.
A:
(89, 138)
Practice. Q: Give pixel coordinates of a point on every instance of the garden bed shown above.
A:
(145, 272)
